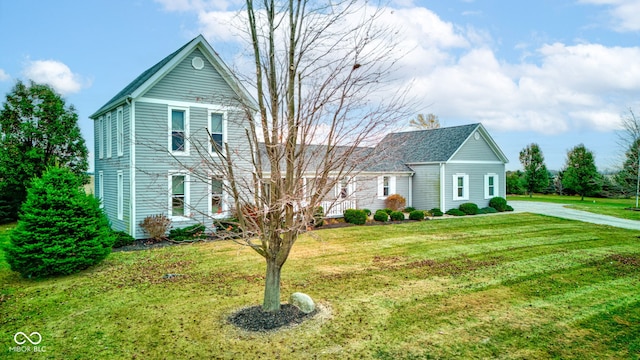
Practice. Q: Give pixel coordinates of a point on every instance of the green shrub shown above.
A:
(156, 226)
(469, 208)
(354, 216)
(122, 239)
(455, 212)
(397, 216)
(436, 212)
(367, 211)
(318, 216)
(488, 210)
(387, 210)
(498, 203)
(61, 230)
(381, 215)
(395, 202)
(409, 209)
(192, 232)
(508, 208)
(416, 215)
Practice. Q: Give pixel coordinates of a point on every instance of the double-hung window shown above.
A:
(120, 195)
(179, 195)
(101, 188)
(179, 124)
(460, 187)
(108, 124)
(217, 195)
(101, 138)
(490, 186)
(119, 131)
(216, 129)
(386, 186)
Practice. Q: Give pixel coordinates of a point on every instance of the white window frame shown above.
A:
(101, 137)
(187, 198)
(184, 152)
(495, 186)
(465, 187)
(224, 204)
(224, 129)
(101, 188)
(109, 131)
(391, 186)
(119, 131)
(120, 194)
(346, 192)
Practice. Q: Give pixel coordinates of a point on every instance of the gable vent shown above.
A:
(197, 63)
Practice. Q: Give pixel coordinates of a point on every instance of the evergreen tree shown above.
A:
(627, 178)
(536, 176)
(581, 174)
(61, 229)
(37, 131)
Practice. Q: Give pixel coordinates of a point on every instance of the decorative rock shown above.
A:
(302, 302)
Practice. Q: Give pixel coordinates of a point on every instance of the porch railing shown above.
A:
(336, 208)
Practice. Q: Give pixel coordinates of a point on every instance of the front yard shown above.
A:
(512, 286)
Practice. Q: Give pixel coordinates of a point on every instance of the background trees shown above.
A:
(580, 173)
(38, 130)
(422, 122)
(536, 175)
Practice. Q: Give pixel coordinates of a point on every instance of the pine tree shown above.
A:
(61, 229)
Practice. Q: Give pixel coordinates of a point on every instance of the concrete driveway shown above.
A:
(558, 210)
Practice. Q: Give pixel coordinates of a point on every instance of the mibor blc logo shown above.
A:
(27, 343)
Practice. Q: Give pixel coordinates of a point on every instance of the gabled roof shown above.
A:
(152, 75)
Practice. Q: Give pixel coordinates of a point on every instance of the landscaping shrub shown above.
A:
(409, 209)
(395, 202)
(397, 216)
(508, 208)
(455, 212)
(156, 226)
(487, 210)
(436, 212)
(354, 216)
(381, 215)
(192, 232)
(469, 208)
(387, 210)
(416, 215)
(498, 203)
(122, 239)
(367, 211)
(61, 229)
(318, 216)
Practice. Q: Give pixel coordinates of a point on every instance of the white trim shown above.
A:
(465, 187)
(443, 186)
(132, 169)
(170, 110)
(101, 137)
(187, 196)
(494, 162)
(109, 134)
(101, 188)
(224, 129)
(392, 186)
(120, 194)
(120, 131)
(496, 191)
(186, 104)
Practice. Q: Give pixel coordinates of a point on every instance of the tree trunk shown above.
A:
(271, 301)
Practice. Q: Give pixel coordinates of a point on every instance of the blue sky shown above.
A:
(555, 72)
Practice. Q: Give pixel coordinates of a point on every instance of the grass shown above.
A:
(509, 286)
(611, 207)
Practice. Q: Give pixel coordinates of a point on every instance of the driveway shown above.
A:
(558, 210)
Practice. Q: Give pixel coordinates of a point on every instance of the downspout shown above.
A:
(443, 188)
(410, 200)
(132, 166)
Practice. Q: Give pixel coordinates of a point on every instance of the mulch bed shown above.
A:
(255, 319)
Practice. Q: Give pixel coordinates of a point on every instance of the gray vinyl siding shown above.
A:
(476, 173)
(367, 191)
(475, 150)
(110, 167)
(426, 186)
(184, 83)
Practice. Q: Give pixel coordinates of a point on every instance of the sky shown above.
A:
(553, 72)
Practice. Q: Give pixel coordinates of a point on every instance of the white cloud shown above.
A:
(4, 76)
(623, 13)
(56, 74)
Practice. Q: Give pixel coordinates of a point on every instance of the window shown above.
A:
(101, 188)
(217, 186)
(120, 195)
(179, 199)
(490, 186)
(119, 131)
(460, 187)
(179, 123)
(386, 186)
(108, 124)
(100, 138)
(216, 130)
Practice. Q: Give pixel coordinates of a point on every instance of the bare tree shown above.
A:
(421, 122)
(628, 178)
(325, 94)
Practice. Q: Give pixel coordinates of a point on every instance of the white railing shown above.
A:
(336, 208)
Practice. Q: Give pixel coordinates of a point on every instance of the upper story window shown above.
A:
(216, 129)
(490, 186)
(108, 125)
(101, 137)
(460, 187)
(119, 131)
(179, 124)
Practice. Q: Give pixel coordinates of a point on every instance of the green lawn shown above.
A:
(611, 207)
(508, 286)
